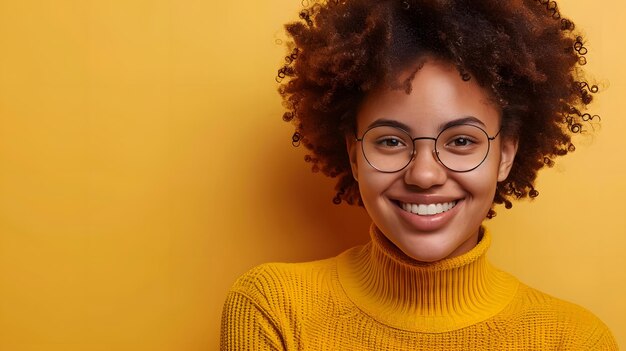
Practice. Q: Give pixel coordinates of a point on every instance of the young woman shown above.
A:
(429, 112)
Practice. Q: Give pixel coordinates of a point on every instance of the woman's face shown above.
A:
(439, 97)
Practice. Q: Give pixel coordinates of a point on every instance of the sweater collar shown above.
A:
(429, 297)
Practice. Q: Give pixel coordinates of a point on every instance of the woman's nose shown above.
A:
(425, 170)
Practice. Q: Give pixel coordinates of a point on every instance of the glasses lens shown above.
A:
(387, 149)
(462, 147)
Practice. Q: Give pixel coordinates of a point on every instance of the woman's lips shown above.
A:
(427, 209)
(428, 217)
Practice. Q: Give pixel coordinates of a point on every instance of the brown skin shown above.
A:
(439, 96)
(521, 52)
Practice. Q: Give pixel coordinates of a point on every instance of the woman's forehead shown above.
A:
(437, 94)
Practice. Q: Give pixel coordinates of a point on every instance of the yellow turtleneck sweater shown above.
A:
(373, 297)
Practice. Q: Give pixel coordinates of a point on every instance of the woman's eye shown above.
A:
(390, 142)
(461, 141)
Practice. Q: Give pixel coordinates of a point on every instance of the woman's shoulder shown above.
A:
(288, 283)
(574, 324)
(536, 301)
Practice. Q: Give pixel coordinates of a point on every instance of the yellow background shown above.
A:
(144, 165)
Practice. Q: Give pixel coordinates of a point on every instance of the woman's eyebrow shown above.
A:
(462, 120)
(454, 122)
(389, 123)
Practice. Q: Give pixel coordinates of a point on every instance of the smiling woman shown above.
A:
(429, 113)
(466, 178)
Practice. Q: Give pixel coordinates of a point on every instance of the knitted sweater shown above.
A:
(373, 297)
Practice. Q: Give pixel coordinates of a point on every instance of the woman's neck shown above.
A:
(429, 297)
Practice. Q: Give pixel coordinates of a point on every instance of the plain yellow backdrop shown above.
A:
(144, 166)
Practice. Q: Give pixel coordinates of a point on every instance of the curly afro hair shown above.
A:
(522, 51)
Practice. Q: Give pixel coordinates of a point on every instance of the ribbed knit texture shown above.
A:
(373, 297)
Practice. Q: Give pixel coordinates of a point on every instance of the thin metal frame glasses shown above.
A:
(459, 147)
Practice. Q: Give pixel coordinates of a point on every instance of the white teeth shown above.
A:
(432, 209)
(428, 210)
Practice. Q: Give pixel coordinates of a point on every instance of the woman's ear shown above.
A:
(351, 145)
(508, 150)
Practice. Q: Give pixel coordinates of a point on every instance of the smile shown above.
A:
(428, 210)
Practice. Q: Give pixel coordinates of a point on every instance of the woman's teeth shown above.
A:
(428, 210)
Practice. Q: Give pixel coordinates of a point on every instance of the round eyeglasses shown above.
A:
(459, 148)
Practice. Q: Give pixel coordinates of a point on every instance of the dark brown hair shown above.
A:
(522, 51)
